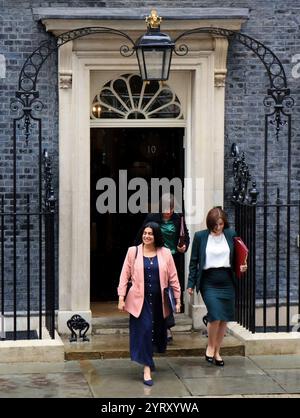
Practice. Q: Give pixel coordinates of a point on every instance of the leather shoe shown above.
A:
(209, 359)
(148, 382)
(219, 363)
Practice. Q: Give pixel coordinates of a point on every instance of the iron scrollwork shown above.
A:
(49, 200)
(278, 100)
(76, 322)
(280, 104)
(27, 101)
(241, 193)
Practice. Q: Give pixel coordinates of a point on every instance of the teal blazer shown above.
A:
(198, 255)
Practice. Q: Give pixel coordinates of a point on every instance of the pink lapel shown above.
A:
(162, 266)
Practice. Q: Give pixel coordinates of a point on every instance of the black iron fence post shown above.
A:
(245, 200)
(49, 247)
(50, 273)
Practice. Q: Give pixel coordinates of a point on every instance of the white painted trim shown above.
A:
(142, 123)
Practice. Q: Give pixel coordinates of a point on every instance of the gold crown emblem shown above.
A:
(153, 20)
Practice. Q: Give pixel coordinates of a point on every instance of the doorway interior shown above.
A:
(143, 152)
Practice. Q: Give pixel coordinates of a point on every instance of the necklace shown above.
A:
(151, 260)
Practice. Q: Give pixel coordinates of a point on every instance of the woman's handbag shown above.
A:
(129, 283)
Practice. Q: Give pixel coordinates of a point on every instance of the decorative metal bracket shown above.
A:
(49, 192)
(278, 100)
(241, 193)
(27, 101)
(278, 103)
(76, 322)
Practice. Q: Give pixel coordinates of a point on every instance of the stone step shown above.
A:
(120, 324)
(117, 346)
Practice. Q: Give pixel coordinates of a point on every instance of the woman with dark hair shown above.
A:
(211, 271)
(176, 237)
(151, 269)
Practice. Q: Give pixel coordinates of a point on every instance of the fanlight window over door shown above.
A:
(128, 97)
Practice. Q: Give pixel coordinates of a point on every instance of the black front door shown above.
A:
(142, 152)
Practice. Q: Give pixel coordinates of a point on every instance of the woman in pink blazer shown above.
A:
(151, 268)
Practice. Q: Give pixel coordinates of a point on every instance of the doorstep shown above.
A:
(117, 346)
(119, 324)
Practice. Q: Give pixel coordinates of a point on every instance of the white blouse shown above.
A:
(217, 252)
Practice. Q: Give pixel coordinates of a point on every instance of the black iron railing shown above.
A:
(27, 249)
(268, 295)
(245, 221)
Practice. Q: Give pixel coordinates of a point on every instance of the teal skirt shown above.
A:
(218, 293)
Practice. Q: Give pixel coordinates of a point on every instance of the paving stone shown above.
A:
(232, 385)
(290, 361)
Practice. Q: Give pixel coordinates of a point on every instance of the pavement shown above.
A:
(178, 377)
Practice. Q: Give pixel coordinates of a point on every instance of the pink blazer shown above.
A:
(167, 276)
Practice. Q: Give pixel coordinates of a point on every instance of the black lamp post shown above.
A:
(154, 51)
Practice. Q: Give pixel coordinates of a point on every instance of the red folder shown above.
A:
(241, 254)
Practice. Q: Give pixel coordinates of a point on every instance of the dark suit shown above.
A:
(198, 254)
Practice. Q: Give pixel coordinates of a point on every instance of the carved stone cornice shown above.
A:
(65, 80)
(220, 70)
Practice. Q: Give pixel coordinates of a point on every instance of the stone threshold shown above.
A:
(117, 346)
(120, 324)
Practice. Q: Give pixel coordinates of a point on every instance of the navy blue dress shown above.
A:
(148, 332)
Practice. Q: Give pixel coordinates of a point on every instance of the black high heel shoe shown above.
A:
(148, 382)
(209, 359)
(219, 362)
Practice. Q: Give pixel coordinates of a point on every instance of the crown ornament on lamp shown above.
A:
(153, 20)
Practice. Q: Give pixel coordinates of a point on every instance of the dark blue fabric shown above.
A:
(148, 332)
(217, 290)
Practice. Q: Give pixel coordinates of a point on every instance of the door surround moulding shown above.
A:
(204, 145)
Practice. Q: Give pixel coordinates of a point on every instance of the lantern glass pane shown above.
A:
(154, 62)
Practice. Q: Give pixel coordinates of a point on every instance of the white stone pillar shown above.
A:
(74, 190)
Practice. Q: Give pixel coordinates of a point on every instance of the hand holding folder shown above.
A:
(241, 254)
